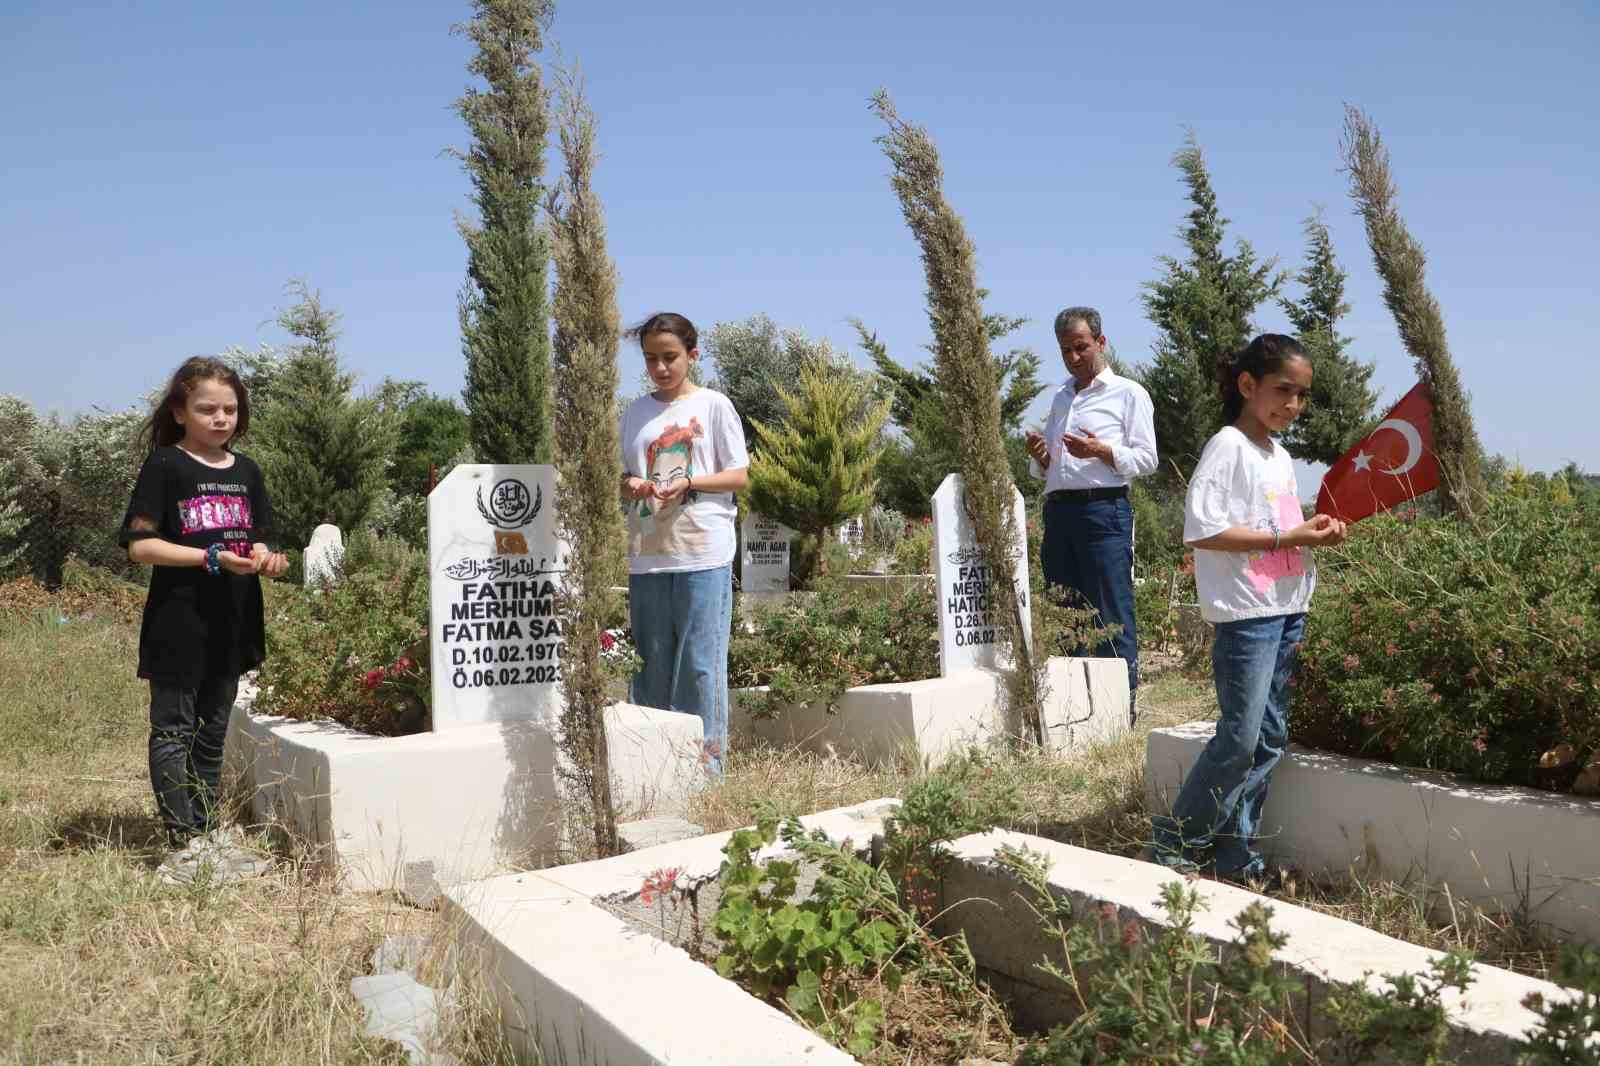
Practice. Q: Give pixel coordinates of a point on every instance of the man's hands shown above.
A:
(1088, 446)
(1033, 440)
(1322, 531)
(1083, 446)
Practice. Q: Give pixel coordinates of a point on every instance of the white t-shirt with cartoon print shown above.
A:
(1239, 483)
(694, 435)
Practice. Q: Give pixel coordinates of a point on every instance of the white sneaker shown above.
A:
(218, 856)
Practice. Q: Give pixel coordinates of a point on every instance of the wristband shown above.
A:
(690, 480)
(213, 562)
(1276, 536)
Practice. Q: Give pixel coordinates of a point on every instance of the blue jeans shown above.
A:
(680, 628)
(1088, 547)
(1219, 808)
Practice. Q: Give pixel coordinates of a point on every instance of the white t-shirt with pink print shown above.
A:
(1240, 483)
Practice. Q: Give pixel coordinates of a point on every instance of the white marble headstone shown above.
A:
(852, 534)
(323, 556)
(970, 632)
(494, 565)
(764, 546)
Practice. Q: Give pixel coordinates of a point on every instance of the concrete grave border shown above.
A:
(1493, 845)
(577, 983)
(938, 717)
(418, 812)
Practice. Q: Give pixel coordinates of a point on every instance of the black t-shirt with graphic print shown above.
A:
(199, 625)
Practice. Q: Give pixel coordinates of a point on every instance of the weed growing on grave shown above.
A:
(1166, 995)
(1567, 1033)
(829, 933)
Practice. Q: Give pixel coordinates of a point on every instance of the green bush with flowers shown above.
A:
(1468, 646)
(356, 650)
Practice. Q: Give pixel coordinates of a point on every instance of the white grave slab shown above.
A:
(970, 632)
(764, 566)
(494, 566)
(853, 533)
(323, 556)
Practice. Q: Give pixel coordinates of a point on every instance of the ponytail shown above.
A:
(1262, 356)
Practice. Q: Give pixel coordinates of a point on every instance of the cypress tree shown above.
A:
(503, 305)
(324, 452)
(816, 469)
(1401, 264)
(588, 453)
(965, 376)
(1203, 306)
(1341, 406)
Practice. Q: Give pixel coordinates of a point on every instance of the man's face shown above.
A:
(1082, 352)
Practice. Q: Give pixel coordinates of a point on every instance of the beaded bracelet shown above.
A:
(214, 559)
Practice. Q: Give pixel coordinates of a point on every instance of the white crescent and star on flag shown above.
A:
(1362, 460)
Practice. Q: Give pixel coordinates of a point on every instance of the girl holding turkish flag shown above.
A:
(1255, 577)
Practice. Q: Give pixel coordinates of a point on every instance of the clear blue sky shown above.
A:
(168, 166)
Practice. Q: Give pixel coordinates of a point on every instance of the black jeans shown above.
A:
(187, 729)
(1088, 547)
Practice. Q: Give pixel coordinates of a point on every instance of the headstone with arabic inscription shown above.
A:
(853, 533)
(494, 567)
(970, 630)
(764, 547)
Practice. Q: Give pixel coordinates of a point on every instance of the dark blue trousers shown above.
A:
(1088, 548)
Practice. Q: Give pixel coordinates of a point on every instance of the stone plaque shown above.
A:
(494, 566)
(970, 632)
(764, 547)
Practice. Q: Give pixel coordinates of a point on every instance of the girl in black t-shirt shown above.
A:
(199, 516)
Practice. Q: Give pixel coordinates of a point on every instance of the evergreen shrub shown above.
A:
(1464, 645)
(356, 650)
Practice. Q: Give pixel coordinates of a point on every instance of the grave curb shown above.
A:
(1493, 845)
(942, 716)
(444, 807)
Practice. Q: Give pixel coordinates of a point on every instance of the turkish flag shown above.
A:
(1392, 464)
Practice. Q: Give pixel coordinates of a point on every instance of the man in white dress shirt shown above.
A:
(1099, 437)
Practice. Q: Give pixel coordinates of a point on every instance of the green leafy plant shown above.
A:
(1566, 1035)
(782, 945)
(354, 650)
(811, 648)
(1147, 993)
(1457, 645)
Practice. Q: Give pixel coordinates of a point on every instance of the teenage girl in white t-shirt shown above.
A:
(1255, 577)
(683, 458)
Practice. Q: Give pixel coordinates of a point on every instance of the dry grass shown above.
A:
(102, 963)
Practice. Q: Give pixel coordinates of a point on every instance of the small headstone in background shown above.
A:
(853, 533)
(494, 566)
(764, 545)
(970, 631)
(323, 556)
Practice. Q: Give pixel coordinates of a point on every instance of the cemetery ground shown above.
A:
(101, 962)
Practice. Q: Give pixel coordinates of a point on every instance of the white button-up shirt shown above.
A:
(1115, 409)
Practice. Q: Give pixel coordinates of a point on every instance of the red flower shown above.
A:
(658, 883)
(1351, 662)
(607, 641)
(371, 679)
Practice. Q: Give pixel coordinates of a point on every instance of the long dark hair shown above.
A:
(162, 427)
(1259, 358)
(667, 322)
